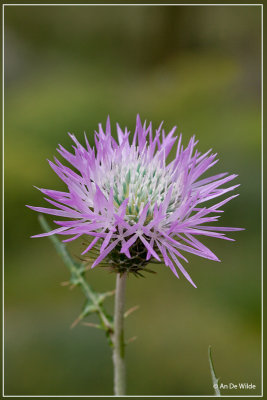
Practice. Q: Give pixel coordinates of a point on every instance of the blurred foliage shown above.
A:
(66, 69)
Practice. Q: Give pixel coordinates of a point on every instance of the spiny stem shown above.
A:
(118, 339)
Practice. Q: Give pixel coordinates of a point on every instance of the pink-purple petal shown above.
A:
(162, 208)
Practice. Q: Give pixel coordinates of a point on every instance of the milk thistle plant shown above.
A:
(133, 208)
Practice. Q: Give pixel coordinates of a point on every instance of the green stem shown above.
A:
(118, 339)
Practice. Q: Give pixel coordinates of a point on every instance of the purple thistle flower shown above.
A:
(133, 204)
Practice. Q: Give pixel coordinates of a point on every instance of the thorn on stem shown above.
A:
(111, 293)
(132, 339)
(130, 311)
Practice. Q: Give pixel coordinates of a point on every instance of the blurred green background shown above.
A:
(66, 69)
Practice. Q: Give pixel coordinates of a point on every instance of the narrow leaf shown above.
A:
(215, 380)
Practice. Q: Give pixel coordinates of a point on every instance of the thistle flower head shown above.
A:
(135, 205)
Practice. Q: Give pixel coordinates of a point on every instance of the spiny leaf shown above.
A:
(75, 322)
(94, 300)
(88, 308)
(215, 380)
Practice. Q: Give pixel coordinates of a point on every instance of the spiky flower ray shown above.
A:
(124, 193)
